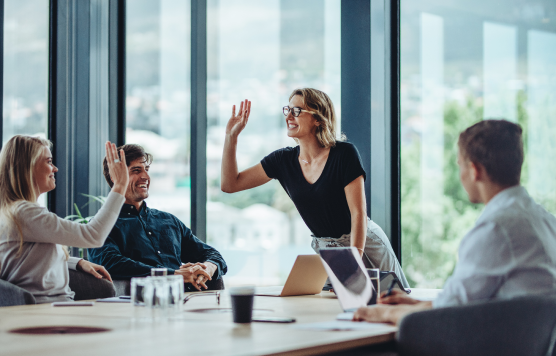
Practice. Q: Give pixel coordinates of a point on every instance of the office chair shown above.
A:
(521, 326)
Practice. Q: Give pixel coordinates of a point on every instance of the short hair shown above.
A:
(498, 146)
(317, 101)
(132, 152)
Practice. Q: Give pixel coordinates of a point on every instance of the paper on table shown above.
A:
(337, 325)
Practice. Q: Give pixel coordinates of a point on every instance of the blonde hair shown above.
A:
(17, 182)
(323, 111)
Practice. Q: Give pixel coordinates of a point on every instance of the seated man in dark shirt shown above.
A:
(145, 238)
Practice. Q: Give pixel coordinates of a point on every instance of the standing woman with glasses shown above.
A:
(323, 176)
(31, 237)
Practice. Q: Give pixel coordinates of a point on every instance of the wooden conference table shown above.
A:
(188, 332)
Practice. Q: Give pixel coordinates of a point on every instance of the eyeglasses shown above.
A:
(296, 111)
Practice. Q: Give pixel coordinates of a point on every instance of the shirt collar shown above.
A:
(129, 210)
(502, 199)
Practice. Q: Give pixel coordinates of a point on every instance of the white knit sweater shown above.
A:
(42, 268)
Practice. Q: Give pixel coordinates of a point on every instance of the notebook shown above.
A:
(306, 277)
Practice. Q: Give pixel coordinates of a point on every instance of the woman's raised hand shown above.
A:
(237, 123)
(117, 168)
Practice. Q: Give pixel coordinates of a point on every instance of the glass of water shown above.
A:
(142, 297)
(175, 293)
(374, 275)
(158, 272)
(137, 285)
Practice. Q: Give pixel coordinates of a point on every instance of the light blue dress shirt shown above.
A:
(510, 252)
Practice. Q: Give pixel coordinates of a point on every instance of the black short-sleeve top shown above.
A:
(322, 205)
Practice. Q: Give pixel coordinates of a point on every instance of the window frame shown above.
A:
(369, 86)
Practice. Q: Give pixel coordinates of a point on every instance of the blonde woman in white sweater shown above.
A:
(31, 238)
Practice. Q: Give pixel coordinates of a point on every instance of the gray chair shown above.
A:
(10, 295)
(521, 326)
(83, 284)
(86, 286)
(122, 286)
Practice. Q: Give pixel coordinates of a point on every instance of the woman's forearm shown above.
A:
(229, 165)
(358, 231)
(39, 225)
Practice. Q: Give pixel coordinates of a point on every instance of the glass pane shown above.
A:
(25, 101)
(262, 50)
(158, 97)
(461, 62)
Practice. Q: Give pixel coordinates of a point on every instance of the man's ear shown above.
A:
(478, 172)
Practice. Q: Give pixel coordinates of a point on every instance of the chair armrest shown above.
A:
(520, 326)
(10, 294)
(86, 286)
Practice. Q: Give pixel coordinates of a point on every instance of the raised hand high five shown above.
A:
(237, 122)
(117, 167)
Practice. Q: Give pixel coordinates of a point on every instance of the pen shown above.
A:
(125, 297)
(392, 284)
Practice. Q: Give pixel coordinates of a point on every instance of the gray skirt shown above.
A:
(378, 250)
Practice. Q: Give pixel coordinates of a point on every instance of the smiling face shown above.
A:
(303, 125)
(139, 181)
(44, 172)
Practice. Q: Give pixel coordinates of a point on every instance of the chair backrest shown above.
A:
(521, 326)
(10, 294)
(86, 286)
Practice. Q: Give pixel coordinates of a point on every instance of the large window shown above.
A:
(158, 97)
(262, 50)
(25, 68)
(462, 62)
(25, 101)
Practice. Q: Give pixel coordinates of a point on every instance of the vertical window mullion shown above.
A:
(199, 118)
(1, 70)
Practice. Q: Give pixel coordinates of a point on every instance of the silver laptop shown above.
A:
(306, 277)
(348, 276)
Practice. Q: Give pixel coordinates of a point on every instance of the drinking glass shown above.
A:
(137, 284)
(176, 293)
(374, 275)
(158, 272)
(161, 297)
(142, 296)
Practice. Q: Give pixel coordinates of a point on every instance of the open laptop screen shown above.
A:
(348, 276)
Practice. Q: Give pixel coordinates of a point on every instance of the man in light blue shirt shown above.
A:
(511, 250)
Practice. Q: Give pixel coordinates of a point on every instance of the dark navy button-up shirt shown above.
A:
(150, 238)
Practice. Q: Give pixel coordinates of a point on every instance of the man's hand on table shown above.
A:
(391, 309)
(397, 297)
(94, 269)
(197, 273)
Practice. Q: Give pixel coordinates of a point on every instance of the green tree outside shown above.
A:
(429, 261)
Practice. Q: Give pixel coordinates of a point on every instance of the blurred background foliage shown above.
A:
(429, 260)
